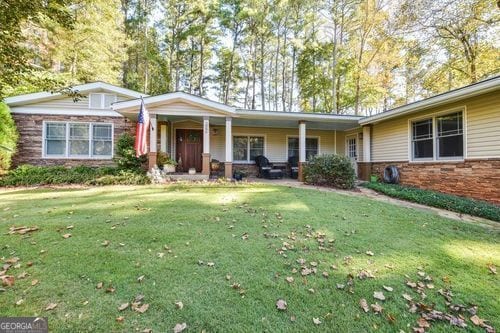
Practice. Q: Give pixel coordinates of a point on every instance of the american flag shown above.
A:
(141, 131)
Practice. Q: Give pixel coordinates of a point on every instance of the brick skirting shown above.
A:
(30, 128)
(475, 178)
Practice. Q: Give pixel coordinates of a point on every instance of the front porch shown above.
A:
(199, 133)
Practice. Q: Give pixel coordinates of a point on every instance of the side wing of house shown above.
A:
(452, 148)
(54, 129)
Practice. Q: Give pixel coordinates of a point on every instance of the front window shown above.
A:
(78, 140)
(437, 138)
(246, 148)
(422, 139)
(450, 136)
(312, 147)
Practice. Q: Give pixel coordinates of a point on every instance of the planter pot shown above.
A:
(192, 171)
(169, 168)
(215, 166)
(373, 178)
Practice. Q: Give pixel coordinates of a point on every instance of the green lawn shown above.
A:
(253, 235)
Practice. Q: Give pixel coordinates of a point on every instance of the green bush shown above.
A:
(439, 200)
(330, 170)
(8, 137)
(50, 175)
(125, 153)
(122, 178)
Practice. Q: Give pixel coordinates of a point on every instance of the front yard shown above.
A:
(229, 253)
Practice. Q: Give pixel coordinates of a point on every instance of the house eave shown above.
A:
(442, 99)
(82, 88)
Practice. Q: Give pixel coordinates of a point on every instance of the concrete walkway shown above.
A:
(368, 193)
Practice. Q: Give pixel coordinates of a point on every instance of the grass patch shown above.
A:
(439, 200)
(164, 232)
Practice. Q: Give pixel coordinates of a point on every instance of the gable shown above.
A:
(179, 107)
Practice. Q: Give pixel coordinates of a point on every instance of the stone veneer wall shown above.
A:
(30, 128)
(475, 178)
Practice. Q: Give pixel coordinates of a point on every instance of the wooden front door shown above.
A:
(189, 147)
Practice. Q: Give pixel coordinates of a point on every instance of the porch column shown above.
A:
(152, 142)
(228, 165)
(206, 146)
(163, 138)
(365, 167)
(302, 147)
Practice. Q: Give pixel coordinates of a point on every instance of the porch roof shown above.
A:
(202, 107)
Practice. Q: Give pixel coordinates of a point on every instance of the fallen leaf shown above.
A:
(123, 306)
(316, 321)
(379, 295)
(143, 308)
(492, 268)
(281, 305)
(105, 243)
(289, 279)
(228, 277)
(364, 305)
(147, 330)
(370, 253)
(325, 274)
(34, 282)
(140, 278)
(376, 308)
(210, 264)
(66, 236)
(178, 328)
(120, 319)
(423, 323)
(340, 286)
(407, 297)
(110, 289)
(99, 285)
(22, 275)
(51, 306)
(388, 288)
(293, 318)
(311, 290)
(477, 321)
(21, 301)
(179, 305)
(411, 284)
(8, 280)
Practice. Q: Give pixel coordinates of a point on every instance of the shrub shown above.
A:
(330, 170)
(122, 178)
(125, 153)
(439, 200)
(40, 175)
(8, 137)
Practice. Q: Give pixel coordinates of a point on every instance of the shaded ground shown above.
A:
(254, 235)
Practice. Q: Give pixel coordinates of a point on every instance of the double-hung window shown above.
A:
(246, 148)
(78, 140)
(438, 138)
(312, 147)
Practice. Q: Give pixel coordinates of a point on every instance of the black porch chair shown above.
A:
(293, 164)
(266, 168)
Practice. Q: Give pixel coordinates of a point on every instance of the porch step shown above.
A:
(158, 176)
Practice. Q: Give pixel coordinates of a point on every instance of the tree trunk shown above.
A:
(262, 83)
(292, 79)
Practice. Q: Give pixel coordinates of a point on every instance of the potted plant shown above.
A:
(214, 165)
(168, 163)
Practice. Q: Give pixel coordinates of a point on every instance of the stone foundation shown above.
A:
(475, 178)
(30, 128)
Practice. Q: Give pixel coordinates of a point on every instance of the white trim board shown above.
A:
(65, 112)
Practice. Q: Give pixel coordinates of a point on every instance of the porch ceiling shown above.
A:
(333, 124)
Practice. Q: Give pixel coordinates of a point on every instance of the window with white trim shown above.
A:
(440, 137)
(101, 100)
(312, 147)
(246, 148)
(78, 140)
